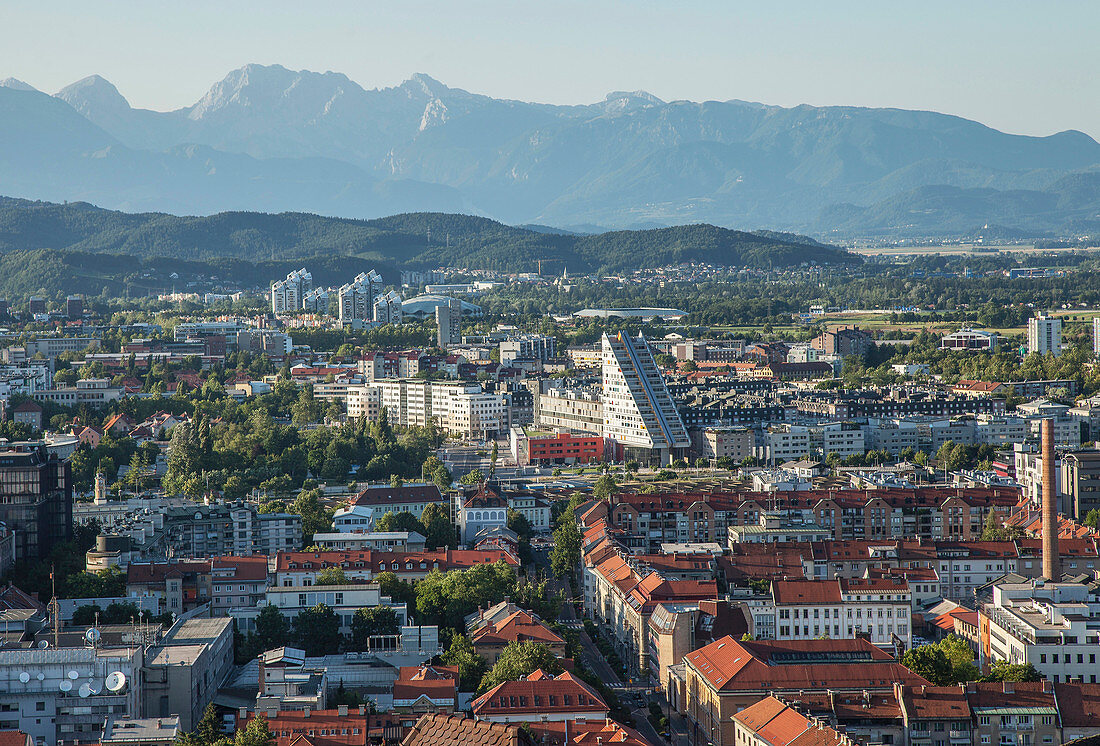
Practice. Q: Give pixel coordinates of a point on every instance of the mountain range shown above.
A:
(270, 139)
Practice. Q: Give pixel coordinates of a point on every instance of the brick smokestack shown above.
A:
(1052, 562)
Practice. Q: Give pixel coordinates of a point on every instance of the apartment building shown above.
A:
(94, 392)
(570, 409)
(1044, 335)
(721, 679)
(355, 300)
(638, 411)
(877, 609)
(287, 294)
(458, 408)
(734, 443)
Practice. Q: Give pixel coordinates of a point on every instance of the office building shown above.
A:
(638, 411)
(356, 299)
(74, 307)
(1044, 335)
(36, 304)
(36, 498)
(287, 295)
(448, 319)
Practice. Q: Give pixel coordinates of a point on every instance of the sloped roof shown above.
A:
(539, 693)
(454, 730)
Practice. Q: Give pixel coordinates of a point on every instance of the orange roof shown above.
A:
(539, 693)
(780, 725)
(729, 665)
(516, 627)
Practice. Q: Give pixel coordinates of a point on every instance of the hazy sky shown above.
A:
(1027, 67)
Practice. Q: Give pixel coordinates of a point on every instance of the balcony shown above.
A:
(960, 736)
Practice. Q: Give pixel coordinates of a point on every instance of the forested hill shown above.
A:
(412, 240)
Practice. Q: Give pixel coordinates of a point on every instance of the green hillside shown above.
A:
(410, 240)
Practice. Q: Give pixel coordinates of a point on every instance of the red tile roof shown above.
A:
(777, 724)
(729, 665)
(539, 693)
(434, 682)
(446, 559)
(516, 627)
(454, 730)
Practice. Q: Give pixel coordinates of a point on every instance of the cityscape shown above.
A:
(415, 416)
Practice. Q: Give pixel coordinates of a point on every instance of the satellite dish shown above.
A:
(65, 685)
(74, 675)
(41, 676)
(92, 635)
(94, 688)
(116, 681)
(43, 644)
(84, 691)
(24, 676)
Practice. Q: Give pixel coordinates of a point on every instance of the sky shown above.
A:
(1023, 67)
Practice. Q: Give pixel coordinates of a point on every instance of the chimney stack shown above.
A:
(1052, 565)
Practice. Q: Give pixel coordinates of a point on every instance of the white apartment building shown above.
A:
(843, 609)
(638, 411)
(998, 429)
(570, 409)
(736, 443)
(458, 408)
(448, 319)
(892, 436)
(356, 299)
(316, 301)
(1047, 625)
(387, 308)
(842, 438)
(784, 442)
(364, 401)
(287, 295)
(1044, 335)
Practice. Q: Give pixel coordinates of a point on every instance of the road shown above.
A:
(593, 660)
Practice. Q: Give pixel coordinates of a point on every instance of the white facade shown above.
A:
(356, 299)
(638, 410)
(387, 308)
(364, 401)
(458, 408)
(287, 295)
(844, 610)
(448, 319)
(1047, 625)
(1044, 335)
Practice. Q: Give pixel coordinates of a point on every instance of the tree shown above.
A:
(256, 733)
(1005, 671)
(316, 518)
(930, 662)
(471, 666)
(566, 554)
(317, 631)
(439, 532)
(333, 576)
(371, 621)
(518, 522)
(207, 731)
(518, 659)
(603, 487)
(272, 628)
(474, 477)
(403, 521)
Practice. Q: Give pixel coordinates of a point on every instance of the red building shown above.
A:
(564, 448)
